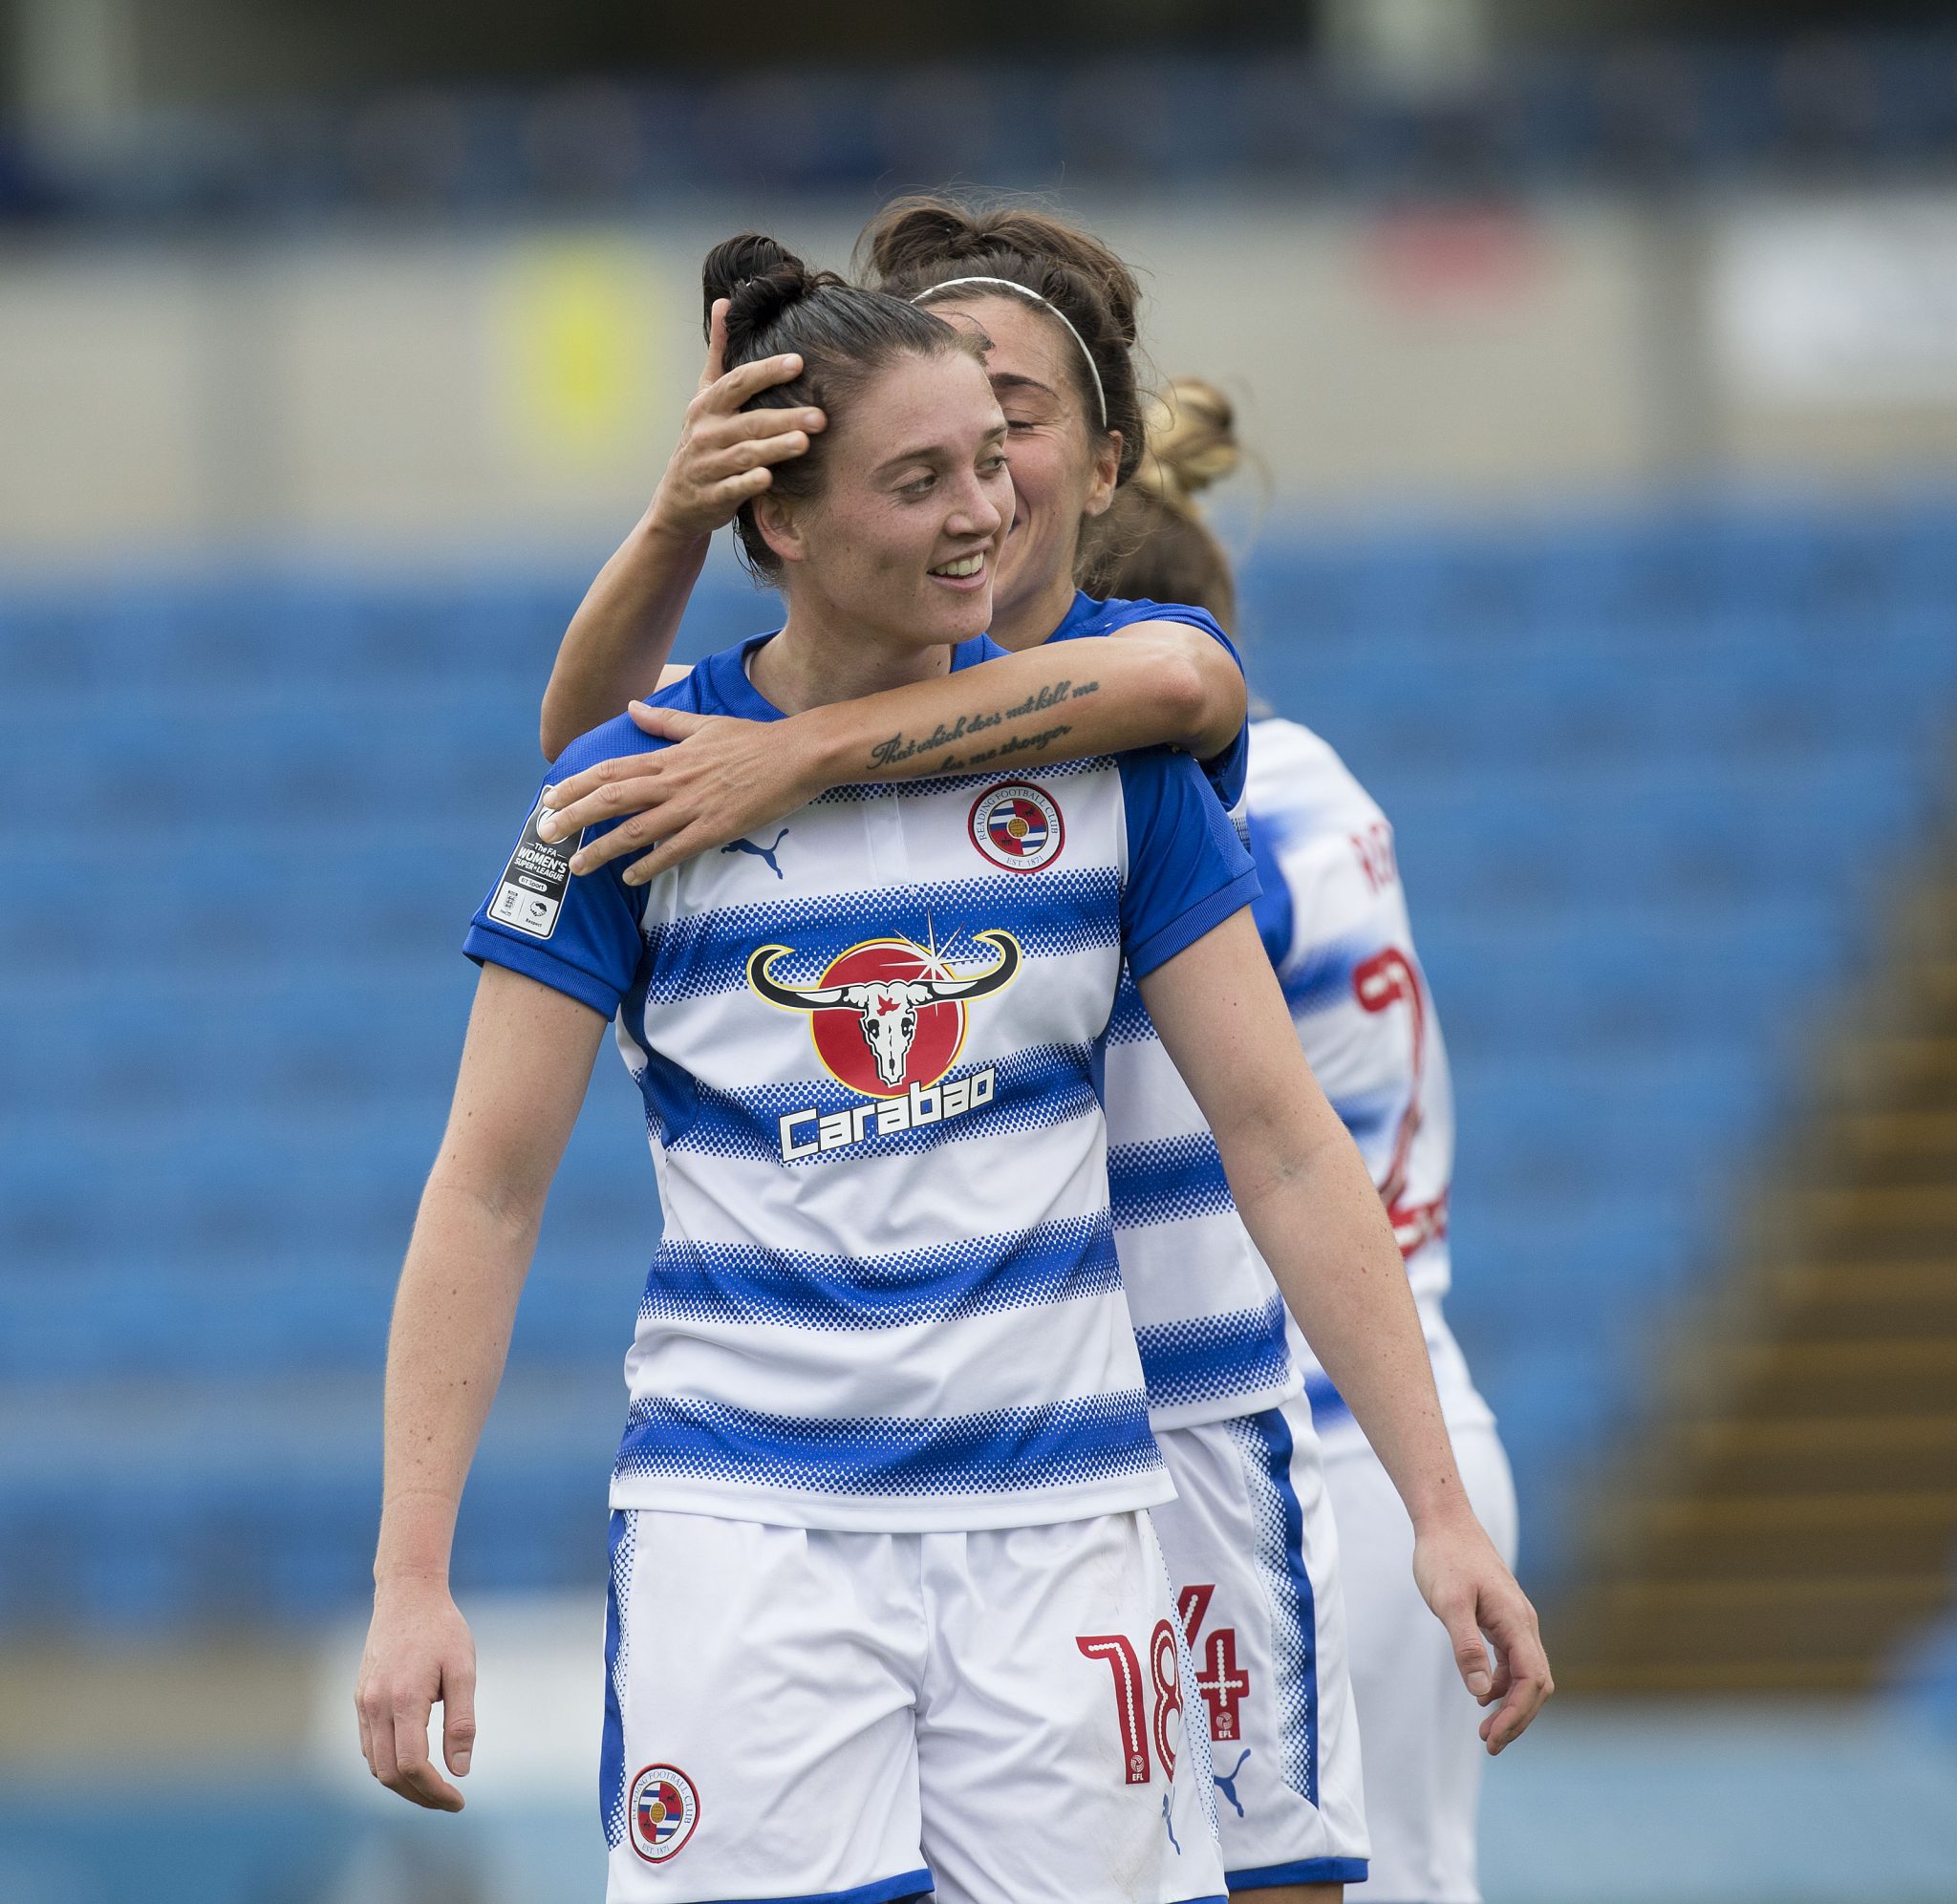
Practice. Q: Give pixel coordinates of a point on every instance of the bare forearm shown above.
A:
(622, 632)
(1304, 1192)
(1312, 1209)
(1065, 701)
(452, 1318)
(1317, 1219)
(1154, 684)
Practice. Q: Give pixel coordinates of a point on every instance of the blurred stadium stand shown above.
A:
(1927, 1669)
(1654, 781)
(1654, 112)
(1657, 777)
(1788, 1525)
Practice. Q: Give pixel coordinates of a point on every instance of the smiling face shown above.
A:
(1064, 465)
(902, 539)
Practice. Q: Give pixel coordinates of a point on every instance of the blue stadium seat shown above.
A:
(1652, 775)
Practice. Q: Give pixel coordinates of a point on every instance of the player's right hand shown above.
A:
(419, 1652)
(725, 454)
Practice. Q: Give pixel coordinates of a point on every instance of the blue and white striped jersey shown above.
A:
(1209, 1325)
(1209, 1321)
(1333, 917)
(868, 1043)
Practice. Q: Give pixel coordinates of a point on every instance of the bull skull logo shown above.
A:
(887, 1008)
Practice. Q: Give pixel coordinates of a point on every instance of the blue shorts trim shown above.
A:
(612, 1746)
(885, 1891)
(1276, 1433)
(1303, 1871)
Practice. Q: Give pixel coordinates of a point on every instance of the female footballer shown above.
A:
(1056, 309)
(1333, 918)
(888, 1614)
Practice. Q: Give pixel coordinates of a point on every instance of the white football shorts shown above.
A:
(1253, 1555)
(837, 1718)
(1424, 1754)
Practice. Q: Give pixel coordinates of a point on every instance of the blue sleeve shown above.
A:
(1226, 771)
(579, 935)
(1274, 911)
(1187, 869)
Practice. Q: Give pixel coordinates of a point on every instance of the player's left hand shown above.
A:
(722, 779)
(418, 1655)
(1475, 1597)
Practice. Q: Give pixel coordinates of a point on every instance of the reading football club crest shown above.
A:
(1018, 825)
(663, 1812)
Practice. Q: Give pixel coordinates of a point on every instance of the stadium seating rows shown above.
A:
(1653, 780)
(1850, 105)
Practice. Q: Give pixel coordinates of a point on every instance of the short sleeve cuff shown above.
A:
(1187, 928)
(1227, 771)
(492, 947)
(1193, 617)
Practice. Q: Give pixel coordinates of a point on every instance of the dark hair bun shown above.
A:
(760, 279)
(844, 336)
(915, 234)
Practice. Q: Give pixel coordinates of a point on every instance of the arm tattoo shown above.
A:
(902, 747)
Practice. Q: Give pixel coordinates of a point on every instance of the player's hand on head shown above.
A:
(722, 779)
(1492, 1626)
(724, 455)
(418, 1654)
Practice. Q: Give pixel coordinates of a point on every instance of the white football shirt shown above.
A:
(1333, 917)
(868, 1042)
(1209, 1325)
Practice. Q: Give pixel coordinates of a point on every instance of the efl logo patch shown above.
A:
(1018, 825)
(663, 1812)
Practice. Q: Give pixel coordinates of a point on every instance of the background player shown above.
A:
(1264, 1614)
(1333, 917)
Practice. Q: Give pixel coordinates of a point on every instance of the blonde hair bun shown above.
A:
(1191, 441)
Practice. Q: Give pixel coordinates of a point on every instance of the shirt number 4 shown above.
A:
(1131, 1699)
(1223, 1683)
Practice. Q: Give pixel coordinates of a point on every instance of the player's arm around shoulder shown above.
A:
(1161, 683)
(526, 1063)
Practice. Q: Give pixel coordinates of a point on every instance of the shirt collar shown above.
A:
(1084, 609)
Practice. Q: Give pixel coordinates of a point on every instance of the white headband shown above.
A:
(1045, 304)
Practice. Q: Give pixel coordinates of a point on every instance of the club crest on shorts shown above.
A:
(663, 1810)
(1018, 825)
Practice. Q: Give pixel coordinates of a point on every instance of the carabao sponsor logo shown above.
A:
(888, 1020)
